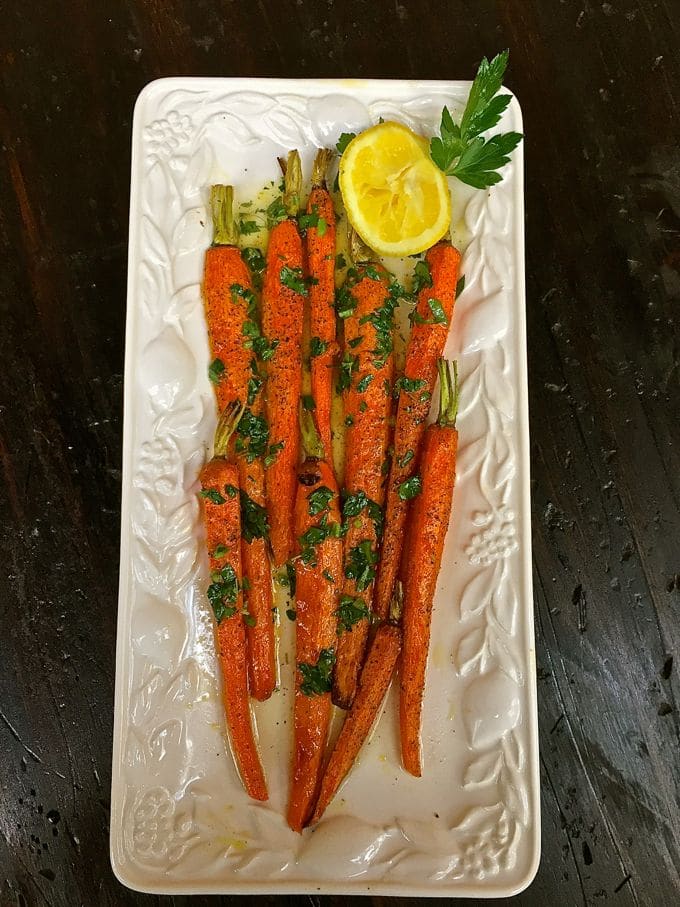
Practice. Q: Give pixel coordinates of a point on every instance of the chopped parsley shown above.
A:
(327, 575)
(212, 495)
(344, 140)
(254, 385)
(317, 347)
(316, 678)
(349, 421)
(254, 258)
(438, 314)
(287, 577)
(272, 453)
(291, 614)
(248, 618)
(410, 488)
(405, 458)
(254, 522)
(223, 592)
(293, 279)
(360, 565)
(410, 385)
(231, 491)
(355, 341)
(362, 385)
(345, 303)
(314, 536)
(240, 292)
(340, 261)
(382, 320)
(308, 402)
(276, 212)
(306, 221)
(318, 500)
(216, 370)
(220, 551)
(252, 435)
(422, 277)
(348, 366)
(356, 502)
(351, 609)
(262, 347)
(246, 227)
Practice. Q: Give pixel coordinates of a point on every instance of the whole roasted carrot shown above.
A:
(320, 248)
(283, 295)
(318, 569)
(374, 682)
(222, 519)
(366, 374)
(427, 526)
(235, 345)
(437, 277)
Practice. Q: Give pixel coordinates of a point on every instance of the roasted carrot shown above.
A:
(235, 344)
(427, 525)
(222, 519)
(320, 248)
(374, 682)
(437, 275)
(283, 295)
(318, 577)
(366, 373)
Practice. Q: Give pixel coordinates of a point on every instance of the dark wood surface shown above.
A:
(600, 88)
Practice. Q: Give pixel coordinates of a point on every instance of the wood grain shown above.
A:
(600, 90)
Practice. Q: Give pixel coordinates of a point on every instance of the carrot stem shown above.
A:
(226, 426)
(448, 392)
(225, 232)
(292, 184)
(311, 441)
(322, 162)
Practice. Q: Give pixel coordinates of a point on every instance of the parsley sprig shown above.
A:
(460, 150)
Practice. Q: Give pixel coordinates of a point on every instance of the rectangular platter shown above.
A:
(180, 820)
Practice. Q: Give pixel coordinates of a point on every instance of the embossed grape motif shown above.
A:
(176, 818)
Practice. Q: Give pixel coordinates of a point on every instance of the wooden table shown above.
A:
(600, 89)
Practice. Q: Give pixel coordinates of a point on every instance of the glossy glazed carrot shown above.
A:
(320, 248)
(234, 371)
(425, 346)
(283, 295)
(427, 525)
(226, 311)
(366, 374)
(318, 570)
(374, 682)
(221, 515)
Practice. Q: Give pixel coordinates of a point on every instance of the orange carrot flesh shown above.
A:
(373, 685)
(258, 595)
(427, 526)
(425, 346)
(226, 314)
(282, 319)
(318, 570)
(367, 370)
(320, 247)
(221, 513)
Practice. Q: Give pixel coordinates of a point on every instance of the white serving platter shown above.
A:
(180, 821)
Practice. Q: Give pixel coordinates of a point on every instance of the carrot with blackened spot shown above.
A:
(427, 526)
(366, 374)
(283, 295)
(222, 519)
(232, 328)
(374, 682)
(437, 277)
(318, 578)
(320, 248)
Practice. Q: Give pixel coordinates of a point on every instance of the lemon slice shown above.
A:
(396, 199)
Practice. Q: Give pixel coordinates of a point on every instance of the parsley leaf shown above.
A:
(365, 381)
(252, 435)
(348, 366)
(308, 402)
(231, 491)
(459, 150)
(272, 453)
(421, 277)
(246, 227)
(344, 140)
(254, 258)
(212, 495)
(340, 261)
(223, 592)
(215, 371)
(220, 551)
(351, 609)
(410, 488)
(293, 279)
(254, 522)
(318, 500)
(316, 678)
(360, 565)
(276, 212)
(317, 347)
(405, 458)
(409, 385)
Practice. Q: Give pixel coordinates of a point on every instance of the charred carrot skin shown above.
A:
(367, 370)
(427, 526)
(374, 682)
(229, 306)
(221, 514)
(425, 346)
(320, 249)
(283, 295)
(318, 571)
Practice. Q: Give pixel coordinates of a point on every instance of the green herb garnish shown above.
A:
(460, 150)
(316, 678)
(252, 435)
(351, 609)
(344, 140)
(360, 565)
(318, 500)
(216, 370)
(293, 279)
(410, 488)
(223, 592)
(254, 522)
(212, 495)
